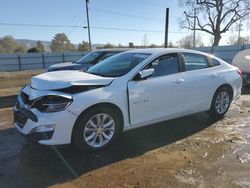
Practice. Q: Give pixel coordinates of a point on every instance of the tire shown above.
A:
(220, 103)
(91, 131)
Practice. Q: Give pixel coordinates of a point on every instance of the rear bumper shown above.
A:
(237, 87)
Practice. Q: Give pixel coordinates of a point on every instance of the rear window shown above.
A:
(213, 62)
(195, 61)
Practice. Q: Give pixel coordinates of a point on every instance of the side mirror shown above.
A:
(155, 63)
(144, 74)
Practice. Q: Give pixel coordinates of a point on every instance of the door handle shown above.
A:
(178, 81)
(213, 75)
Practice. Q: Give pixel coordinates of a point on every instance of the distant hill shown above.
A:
(96, 46)
(31, 43)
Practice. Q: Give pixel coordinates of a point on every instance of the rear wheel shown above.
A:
(221, 102)
(96, 129)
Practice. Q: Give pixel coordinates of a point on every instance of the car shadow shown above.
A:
(7, 101)
(246, 90)
(42, 166)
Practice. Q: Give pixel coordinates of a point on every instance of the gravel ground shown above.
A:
(194, 151)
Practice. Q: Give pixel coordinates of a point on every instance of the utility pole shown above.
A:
(87, 10)
(194, 35)
(145, 40)
(239, 31)
(166, 28)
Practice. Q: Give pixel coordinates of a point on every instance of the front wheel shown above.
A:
(221, 102)
(96, 129)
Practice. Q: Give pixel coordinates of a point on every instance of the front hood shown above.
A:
(60, 65)
(64, 79)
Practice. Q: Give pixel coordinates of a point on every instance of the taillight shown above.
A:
(240, 72)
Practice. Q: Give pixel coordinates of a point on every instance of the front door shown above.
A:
(160, 96)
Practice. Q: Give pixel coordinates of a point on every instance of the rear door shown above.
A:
(201, 81)
(160, 96)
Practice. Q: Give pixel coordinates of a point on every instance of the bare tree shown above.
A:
(187, 42)
(213, 16)
(211, 41)
(234, 40)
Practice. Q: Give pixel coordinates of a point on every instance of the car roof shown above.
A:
(155, 51)
(113, 50)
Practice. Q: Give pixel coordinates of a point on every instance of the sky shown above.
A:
(148, 16)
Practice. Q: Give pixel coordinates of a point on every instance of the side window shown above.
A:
(214, 62)
(165, 65)
(195, 61)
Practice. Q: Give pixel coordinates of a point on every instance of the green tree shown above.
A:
(33, 50)
(9, 45)
(84, 46)
(108, 45)
(20, 49)
(39, 46)
(61, 43)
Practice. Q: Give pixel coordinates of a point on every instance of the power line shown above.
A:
(77, 26)
(76, 22)
(93, 27)
(40, 25)
(127, 29)
(127, 15)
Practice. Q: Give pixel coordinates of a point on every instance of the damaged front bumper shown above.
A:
(44, 128)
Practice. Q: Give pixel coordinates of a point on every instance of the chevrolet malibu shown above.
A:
(126, 91)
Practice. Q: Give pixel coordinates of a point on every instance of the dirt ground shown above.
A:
(11, 82)
(194, 151)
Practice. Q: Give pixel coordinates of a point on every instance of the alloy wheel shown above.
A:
(99, 130)
(222, 102)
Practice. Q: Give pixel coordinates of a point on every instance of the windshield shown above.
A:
(89, 58)
(118, 65)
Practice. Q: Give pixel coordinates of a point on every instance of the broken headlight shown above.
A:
(52, 103)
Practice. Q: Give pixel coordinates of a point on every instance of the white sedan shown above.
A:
(126, 91)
